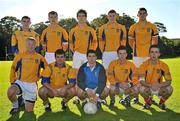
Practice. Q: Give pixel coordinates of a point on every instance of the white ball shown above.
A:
(90, 108)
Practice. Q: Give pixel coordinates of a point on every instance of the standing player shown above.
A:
(18, 40)
(53, 37)
(58, 80)
(141, 36)
(81, 38)
(155, 79)
(91, 80)
(28, 65)
(111, 36)
(122, 77)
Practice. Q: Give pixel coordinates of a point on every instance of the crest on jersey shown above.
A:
(158, 71)
(36, 61)
(137, 30)
(118, 30)
(58, 33)
(86, 32)
(125, 71)
(148, 29)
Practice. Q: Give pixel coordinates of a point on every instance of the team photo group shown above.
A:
(88, 82)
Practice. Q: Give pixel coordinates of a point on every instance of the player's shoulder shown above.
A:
(163, 64)
(114, 62)
(103, 26)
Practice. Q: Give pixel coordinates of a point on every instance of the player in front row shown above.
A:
(155, 79)
(123, 78)
(91, 80)
(58, 80)
(25, 72)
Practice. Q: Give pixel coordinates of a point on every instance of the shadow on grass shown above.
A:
(27, 116)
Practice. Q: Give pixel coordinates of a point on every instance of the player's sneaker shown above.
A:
(162, 106)
(98, 105)
(136, 100)
(127, 101)
(104, 102)
(147, 106)
(121, 101)
(48, 107)
(76, 101)
(111, 103)
(14, 110)
(64, 105)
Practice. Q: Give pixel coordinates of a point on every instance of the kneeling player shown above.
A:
(151, 73)
(24, 76)
(122, 77)
(91, 80)
(58, 80)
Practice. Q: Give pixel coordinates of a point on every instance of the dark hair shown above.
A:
(52, 13)
(60, 52)
(121, 48)
(154, 46)
(25, 17)
(142, 9)
(91, 51)
(112, 11)
(82, 11)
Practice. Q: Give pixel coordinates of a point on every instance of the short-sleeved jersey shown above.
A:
(142, 38)
(82, 39)
(58, 77)
(154, 73)
(54, 38)
(18, 40)
(125, 73)
(111, 36)
(27, 67)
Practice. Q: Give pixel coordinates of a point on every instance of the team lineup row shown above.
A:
(88, 78)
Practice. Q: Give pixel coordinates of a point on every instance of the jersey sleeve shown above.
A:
(37, 37)
(101, 37)
(14, 68)
(14, 43)
(72, 75)
(93, 44)
(71, 40)
(123, 39)
(46, 74)
(111, 75)
(131, 36)
(135, 76)
(166, 73)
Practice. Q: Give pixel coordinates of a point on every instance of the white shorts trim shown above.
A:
(139, 60)
(50, 57)
(78, 59)
(29, 90)
(107, 57)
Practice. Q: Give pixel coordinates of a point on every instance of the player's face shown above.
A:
(31, 45)
(25, 23)
(53, 19)
(142, 15)
(112, 17)
(154, 54)
(60, 58)
(91, 58)
(122, 54)
(81, 18)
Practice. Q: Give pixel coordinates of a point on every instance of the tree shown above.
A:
(161, 27)
(68, 23)
(8, 25)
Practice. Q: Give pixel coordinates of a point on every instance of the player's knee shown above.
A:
(12, 91)
(42, 91)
